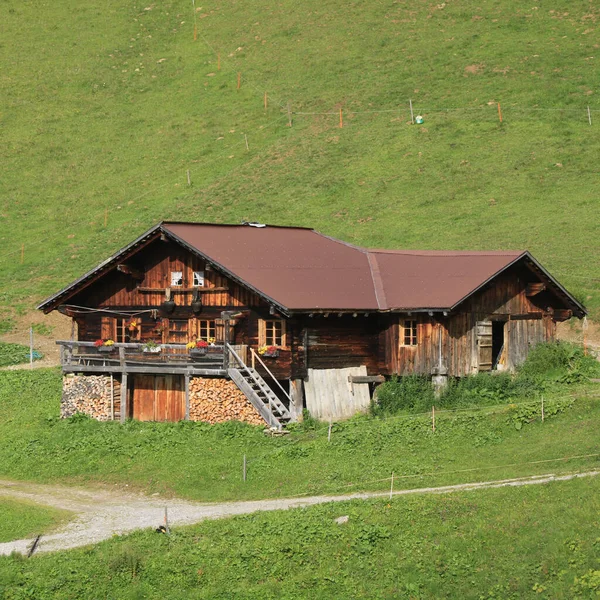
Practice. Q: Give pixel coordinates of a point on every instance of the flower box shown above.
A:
(152, 349)
(200, 351)
(271, 354)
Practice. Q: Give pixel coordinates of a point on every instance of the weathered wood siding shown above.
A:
(156, 261)
(526, 324)
(341, 342)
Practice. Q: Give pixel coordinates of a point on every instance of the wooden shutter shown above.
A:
(484, 345)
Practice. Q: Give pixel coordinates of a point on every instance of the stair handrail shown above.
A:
(255, 355)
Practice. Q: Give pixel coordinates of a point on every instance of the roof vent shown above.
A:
(253, 224)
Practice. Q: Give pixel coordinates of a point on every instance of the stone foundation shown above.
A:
(215, 400)
(90, 395)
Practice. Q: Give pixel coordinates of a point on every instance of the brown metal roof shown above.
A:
(301, 269)
(431, 280)
(297, 268)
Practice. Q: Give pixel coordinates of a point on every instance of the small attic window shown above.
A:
(199, 279)
(176, 278)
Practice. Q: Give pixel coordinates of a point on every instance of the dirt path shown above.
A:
(102, 514)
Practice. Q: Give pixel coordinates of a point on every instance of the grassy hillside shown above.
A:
(510, 543)
(105, 108)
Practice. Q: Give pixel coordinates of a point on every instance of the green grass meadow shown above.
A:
(511, 543)
(21, 519)
(107, 106)
(204, 462)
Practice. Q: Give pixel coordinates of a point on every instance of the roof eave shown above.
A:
(280, 307)
(527, 255)
(50, 304)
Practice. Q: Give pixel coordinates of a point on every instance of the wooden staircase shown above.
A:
(257, 390)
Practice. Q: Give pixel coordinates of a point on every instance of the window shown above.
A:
(272, 333)
(176, 278)
(409, 332)
(125, 332)
(198, 278)
(207, 330)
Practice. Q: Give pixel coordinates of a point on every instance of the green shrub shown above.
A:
(559, 361)
(15, 354)
(412, 393)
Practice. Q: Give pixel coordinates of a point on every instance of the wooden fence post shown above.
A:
(499, 112)
(412, 116)
(392, 486)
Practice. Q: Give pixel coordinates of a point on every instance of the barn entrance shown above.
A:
(497, 342)
(157, 398)
(490, 344)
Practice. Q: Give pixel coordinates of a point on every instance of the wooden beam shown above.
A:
(533, 289)
(129, 270)
(124, 398)
(181, 290)
(187, 397)
(158, 370)
(366, 378)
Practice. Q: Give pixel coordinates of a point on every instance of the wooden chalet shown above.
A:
(286, 317)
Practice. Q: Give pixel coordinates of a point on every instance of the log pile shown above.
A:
(90, 395)
(216, 400)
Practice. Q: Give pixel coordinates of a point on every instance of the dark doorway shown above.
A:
(497, 342)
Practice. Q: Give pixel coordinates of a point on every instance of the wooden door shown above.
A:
(484, 345)
(170, 398)
(158, 398)
(143, 397)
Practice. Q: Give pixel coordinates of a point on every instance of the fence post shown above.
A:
(542, 409)
(392, 486)
(167, 528)
(329, 432)
(31, 346)
(412, 116)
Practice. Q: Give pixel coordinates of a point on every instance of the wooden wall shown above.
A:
(156, 262)
(526, 323)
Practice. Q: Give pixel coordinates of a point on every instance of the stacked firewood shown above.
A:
(219, 400)
(90, 395)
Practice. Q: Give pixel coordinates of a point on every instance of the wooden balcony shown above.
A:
(86, 357)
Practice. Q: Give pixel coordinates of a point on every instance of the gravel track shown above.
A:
(101, 514)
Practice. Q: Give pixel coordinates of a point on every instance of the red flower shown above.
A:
(98, 343)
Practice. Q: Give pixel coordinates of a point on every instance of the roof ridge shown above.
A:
(202, 223)
(378, 286)
(447, 252)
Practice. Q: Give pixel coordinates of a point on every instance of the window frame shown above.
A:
(201, 277)
(181, 279)
(211, 324)
(121, 331)
(409, 334)
(264, 334)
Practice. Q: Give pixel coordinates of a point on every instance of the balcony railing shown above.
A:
(141, 358)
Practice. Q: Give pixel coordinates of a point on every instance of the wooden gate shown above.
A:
(484, 345)
(158, 398)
